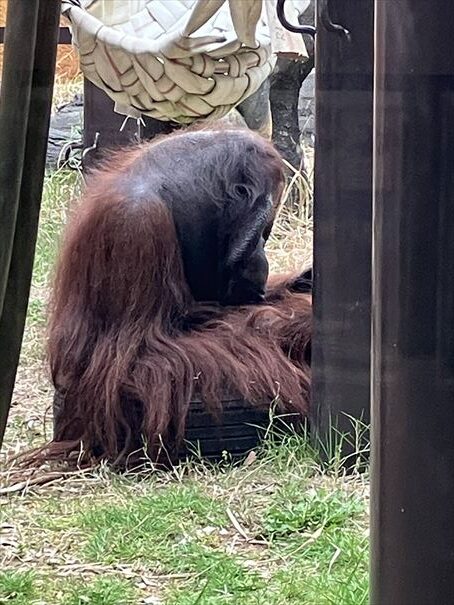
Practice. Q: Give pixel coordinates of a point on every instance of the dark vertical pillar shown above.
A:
(33, 116)
(100, 118)
(413, 306)
(342, 218)
(16, 88)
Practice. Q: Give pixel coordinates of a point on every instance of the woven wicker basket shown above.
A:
(178, 60)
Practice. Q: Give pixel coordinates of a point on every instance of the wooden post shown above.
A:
(32, 23)
(412, 526)
(22, 19)
(342, 220)
(100, 118)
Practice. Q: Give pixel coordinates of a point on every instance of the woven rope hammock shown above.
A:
(179, 60)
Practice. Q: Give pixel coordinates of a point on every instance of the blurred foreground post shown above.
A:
(413, 306)
(342, 222)
(31, 37)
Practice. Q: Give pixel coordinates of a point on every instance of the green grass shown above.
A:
(294, 510)
(16, 587)
(284, 529)
(28, 588)
(264, 533)
(103, 591)
(154, 529)
(59, 190)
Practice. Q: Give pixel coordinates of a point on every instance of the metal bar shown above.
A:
(295, 28)
(412, 531)
(64, 35)
(342, 221)
(36, 115)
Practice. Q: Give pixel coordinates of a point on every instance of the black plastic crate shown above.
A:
(239, 428)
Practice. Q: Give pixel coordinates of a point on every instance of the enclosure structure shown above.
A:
(176, 63)
(104, 128)
(342, 219)
(413, 261)
(413, 305)
(25, 105)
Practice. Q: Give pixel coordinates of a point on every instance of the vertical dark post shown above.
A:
(100, 117)
(413, 306)
(342, 218)
(34, 116)
(16, 88)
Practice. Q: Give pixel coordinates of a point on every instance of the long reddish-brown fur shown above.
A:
(130, 348)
